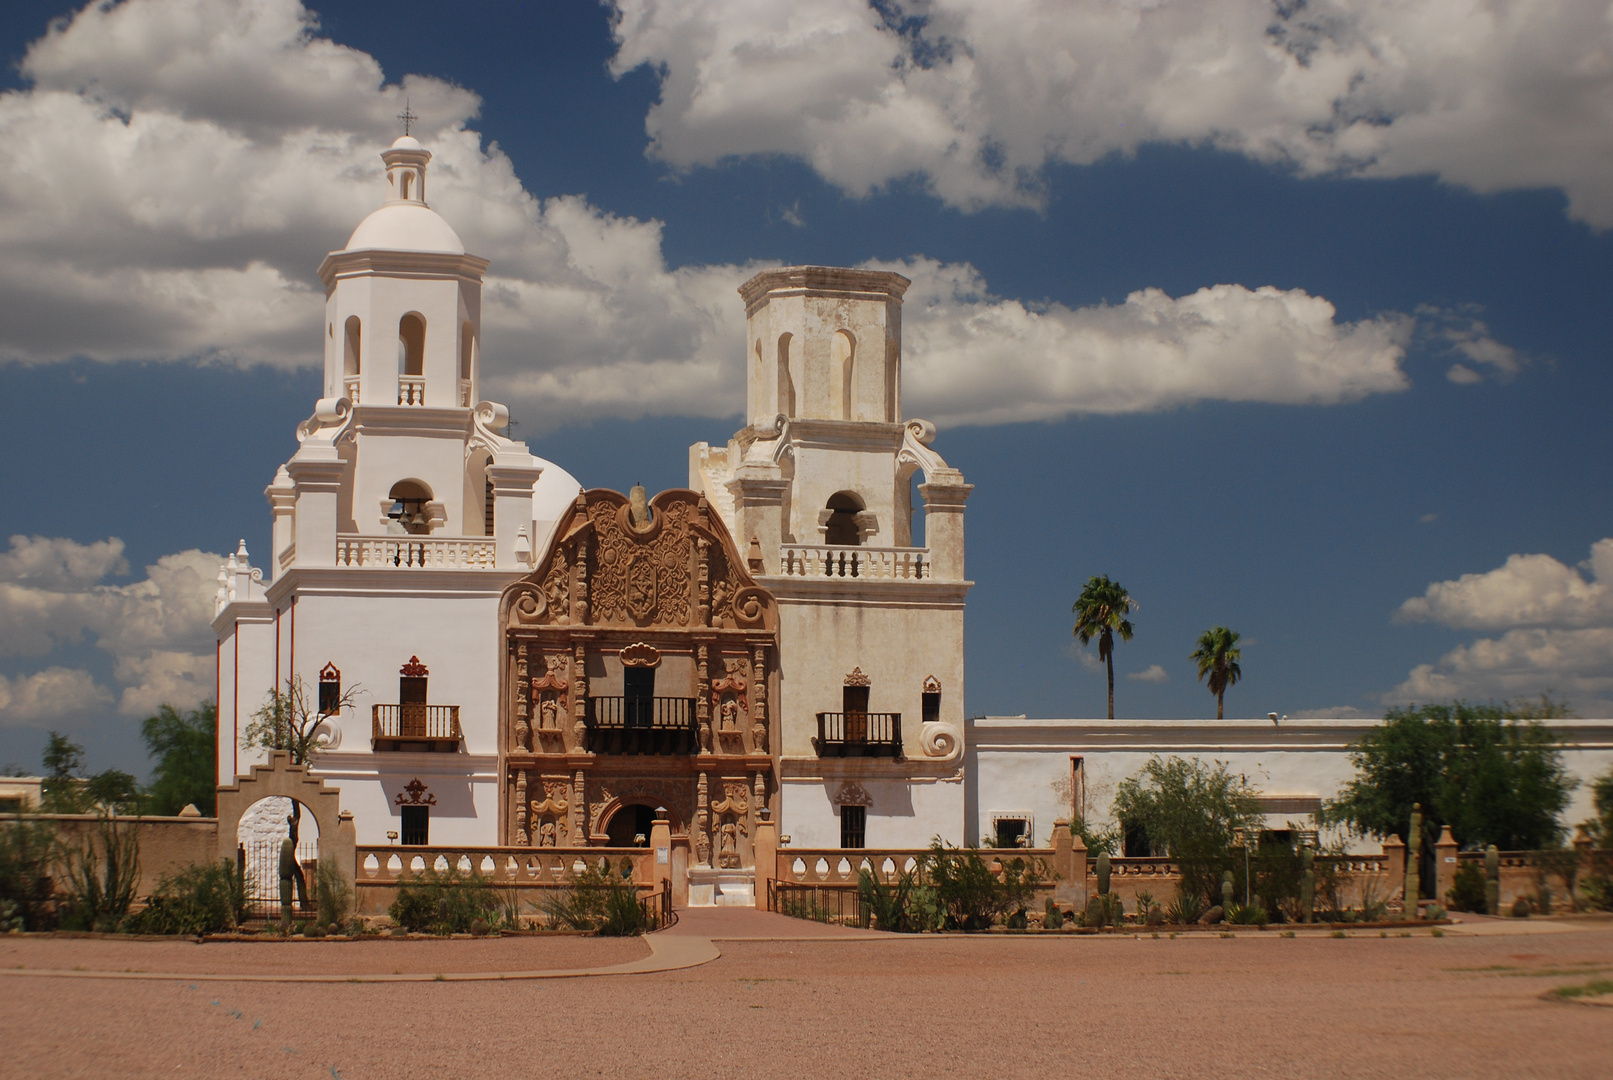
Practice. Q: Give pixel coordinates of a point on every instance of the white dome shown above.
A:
(406, 226)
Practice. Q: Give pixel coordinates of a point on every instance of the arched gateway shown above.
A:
(641, 658)
(337, 840)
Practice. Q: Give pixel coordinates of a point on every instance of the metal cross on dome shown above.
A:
(406, 116)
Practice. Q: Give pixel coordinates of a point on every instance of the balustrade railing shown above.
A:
(859, 734)
(410, 726)
(636, 725)
(464, 393)
(830, 867)
(411, 390)
(393, 864)
(417, 552)
(350, 388)
(870, 563)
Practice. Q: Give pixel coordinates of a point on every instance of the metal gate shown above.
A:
(260, 862)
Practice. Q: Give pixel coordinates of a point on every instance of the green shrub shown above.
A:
(1252, 914)
(1185, 909)
(27, 850)
(604, 901)
(444, 902)
(1467, 889)
(969, 894)
(102, 868)
(903, 906)
(332, 893)
(205, 898)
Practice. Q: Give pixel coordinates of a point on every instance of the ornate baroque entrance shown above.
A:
(640, 660)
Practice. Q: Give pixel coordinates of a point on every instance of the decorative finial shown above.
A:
(406, 116)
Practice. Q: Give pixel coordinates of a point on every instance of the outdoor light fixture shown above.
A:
(392, 836)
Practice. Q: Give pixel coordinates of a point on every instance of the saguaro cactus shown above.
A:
(1103, 873)
(1492, 880)
(1307, 883)
(1414, 858)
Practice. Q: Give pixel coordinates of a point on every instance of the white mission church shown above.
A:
(540, 665)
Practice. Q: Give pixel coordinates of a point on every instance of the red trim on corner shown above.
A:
(293, 665)
(235, 709)
(277, 648)
(218, 658)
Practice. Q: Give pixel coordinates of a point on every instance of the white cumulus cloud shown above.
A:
(972, 357)
(977, 97)
(177, 169)
(157, 629)
(55, 694)
(1153, 673)
(1557, 631)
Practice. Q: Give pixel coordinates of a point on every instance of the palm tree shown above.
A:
(1218, 656)
(1100, 612)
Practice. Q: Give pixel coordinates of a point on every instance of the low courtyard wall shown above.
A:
(167, 844)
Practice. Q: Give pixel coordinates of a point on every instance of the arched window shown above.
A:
(841, 528)
(407, 176)
(411, 345)
(330, 690)
(350, 351)
(467, 357)
(786, 377)
(842, 363)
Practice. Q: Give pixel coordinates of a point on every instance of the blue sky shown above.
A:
(1398, 496)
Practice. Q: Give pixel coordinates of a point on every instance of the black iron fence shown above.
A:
(259, 861)
(859, 734)
(641, 725)
(657, 907)
(838, 906)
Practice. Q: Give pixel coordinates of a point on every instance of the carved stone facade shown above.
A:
(638, 660)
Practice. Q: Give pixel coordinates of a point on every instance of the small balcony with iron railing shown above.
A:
(859, 734)
(416, 727)
(641, 725)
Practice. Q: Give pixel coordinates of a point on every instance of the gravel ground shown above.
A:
(1256, 1005)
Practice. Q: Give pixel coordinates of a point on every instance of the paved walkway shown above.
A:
(691, 942)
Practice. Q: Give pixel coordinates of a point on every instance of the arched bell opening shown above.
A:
(842, 529)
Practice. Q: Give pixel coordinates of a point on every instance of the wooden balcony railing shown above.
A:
(622, 725)
(415, 727)
(859, 734)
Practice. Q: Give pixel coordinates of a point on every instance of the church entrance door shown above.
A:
(629, 823)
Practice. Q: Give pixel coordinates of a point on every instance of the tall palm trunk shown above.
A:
(1220, 700)
(1111, 659)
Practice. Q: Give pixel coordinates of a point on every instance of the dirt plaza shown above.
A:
(743, 992)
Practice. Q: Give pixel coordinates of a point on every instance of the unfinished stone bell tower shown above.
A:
(818, 489)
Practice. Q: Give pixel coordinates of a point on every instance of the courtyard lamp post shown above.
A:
(1240, 839)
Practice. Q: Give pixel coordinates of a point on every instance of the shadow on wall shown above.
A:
(443, 796)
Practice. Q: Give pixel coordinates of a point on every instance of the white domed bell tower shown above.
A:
(403, 307)
(398, 523)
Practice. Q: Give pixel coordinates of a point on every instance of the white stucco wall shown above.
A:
(904, 813)
(1017, 765)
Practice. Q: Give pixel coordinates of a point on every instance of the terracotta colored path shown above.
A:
(799, 1000)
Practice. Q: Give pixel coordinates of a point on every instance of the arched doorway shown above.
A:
(630, 825)
(261, 829)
